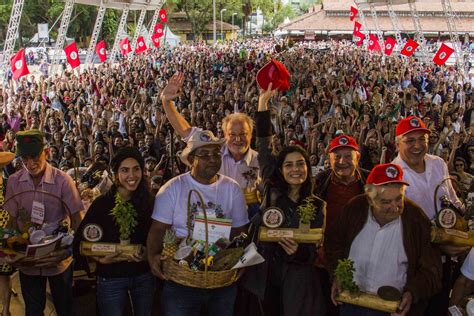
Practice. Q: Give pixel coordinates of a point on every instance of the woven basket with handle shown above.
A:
(200, 279)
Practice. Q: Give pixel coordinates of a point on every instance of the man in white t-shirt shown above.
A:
(464, 285)
(222, 198)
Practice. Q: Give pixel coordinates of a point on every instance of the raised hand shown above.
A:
(174, 87)
(265, 96)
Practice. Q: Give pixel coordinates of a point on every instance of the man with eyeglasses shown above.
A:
(424, 172)
(222, 199)
(239, 161)
(34, 209)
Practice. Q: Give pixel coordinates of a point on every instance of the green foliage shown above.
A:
(125, 216)
(306, 210)
(344, 275)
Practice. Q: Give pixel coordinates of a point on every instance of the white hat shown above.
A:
(197, 140)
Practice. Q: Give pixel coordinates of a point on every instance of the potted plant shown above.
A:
(306, 213)
(125, 216)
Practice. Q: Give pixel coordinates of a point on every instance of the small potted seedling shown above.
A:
(306, 212)
(125, 216)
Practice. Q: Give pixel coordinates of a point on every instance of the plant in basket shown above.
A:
(125, 216)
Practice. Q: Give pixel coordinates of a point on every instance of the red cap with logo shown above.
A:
(386, 173)
(343, 141)
(410, 124)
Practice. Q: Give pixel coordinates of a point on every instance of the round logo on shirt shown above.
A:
(273, 217)
(343, 141)
(414, 122)
(92, 232)
(447, 218)
(391, 172)
(205, 137)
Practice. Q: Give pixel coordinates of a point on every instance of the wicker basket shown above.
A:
(199, 279)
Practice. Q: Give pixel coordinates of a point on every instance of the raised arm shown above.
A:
(169, 93)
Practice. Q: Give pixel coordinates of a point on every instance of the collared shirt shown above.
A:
(379, 255)
(19, 206)
(246, 171)
(422, 186)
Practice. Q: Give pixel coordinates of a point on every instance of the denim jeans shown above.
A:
(33, 289)
(353, 310)
(112, 293)
(179, 300)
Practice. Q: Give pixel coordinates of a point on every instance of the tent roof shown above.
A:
(122, 4)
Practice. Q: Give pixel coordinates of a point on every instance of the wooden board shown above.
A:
(369, 301)
(101, 249)
(314, 236)
(452, 237)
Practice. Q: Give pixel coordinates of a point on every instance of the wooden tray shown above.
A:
(367, 300)
(452, 237)
(101, 249)
(314, 236)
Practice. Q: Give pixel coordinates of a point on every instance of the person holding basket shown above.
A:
(222, 199)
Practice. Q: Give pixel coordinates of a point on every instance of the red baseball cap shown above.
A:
(343, 141)
(386, 173)
(410, 124)
(276, 73)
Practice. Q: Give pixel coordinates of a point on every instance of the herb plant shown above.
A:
(344, 275)
(306, 210)
(125, 217)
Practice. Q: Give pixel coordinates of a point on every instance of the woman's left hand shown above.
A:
(138, 256)
(289, 245)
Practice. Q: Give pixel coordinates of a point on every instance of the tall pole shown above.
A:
(214, 17)
(222, 32)
(233, 31)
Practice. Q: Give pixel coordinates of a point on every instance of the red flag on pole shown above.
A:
(156, 40)
(374, 43)
(18, 65)
(163, 16)
(72, 55)
(141, 46)
(443, 54)
(159, 29)
(353, 13)
(389, 45)
(409, 48)
(125, 46)
(357, 33)
(101, 51)
(357, 27)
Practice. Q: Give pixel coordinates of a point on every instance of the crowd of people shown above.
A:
(353, 123)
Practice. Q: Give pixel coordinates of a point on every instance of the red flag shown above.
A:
(353, 13)
(141, 46)
(443, 54)
(158, 29)
(156, 40)
(389, 45)
(374, 43)
(357, 27)
(409, 48)
(125, 46)
(101, 51)
(72, 55)
(18, 65)
(163, 16)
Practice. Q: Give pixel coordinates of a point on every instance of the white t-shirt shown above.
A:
(224, 198)
(467, 268)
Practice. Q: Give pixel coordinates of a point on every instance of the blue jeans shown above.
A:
(179, 300)
(353, 310)
(112, 293)
(33, 289)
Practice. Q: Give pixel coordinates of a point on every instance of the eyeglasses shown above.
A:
(215, 155)
(240, 136)
(24, 160)
(412, 141)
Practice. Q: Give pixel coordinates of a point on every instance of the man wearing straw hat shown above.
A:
(222, 198)
(388, 238)
(43, 211)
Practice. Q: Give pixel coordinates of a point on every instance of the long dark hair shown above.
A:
(279, 182)
(141, 197)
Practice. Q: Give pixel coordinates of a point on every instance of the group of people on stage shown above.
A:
(367, 140)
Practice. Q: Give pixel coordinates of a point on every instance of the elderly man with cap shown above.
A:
(43, 211)
(387, 236)
(239, 161)
(424, 172)
(222, 197)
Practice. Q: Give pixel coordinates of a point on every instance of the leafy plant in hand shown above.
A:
(125, 216)
(306, 210)
(344, 275)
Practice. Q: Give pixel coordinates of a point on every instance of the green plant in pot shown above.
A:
(344, 275)
(306, 213)
(125, 216)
